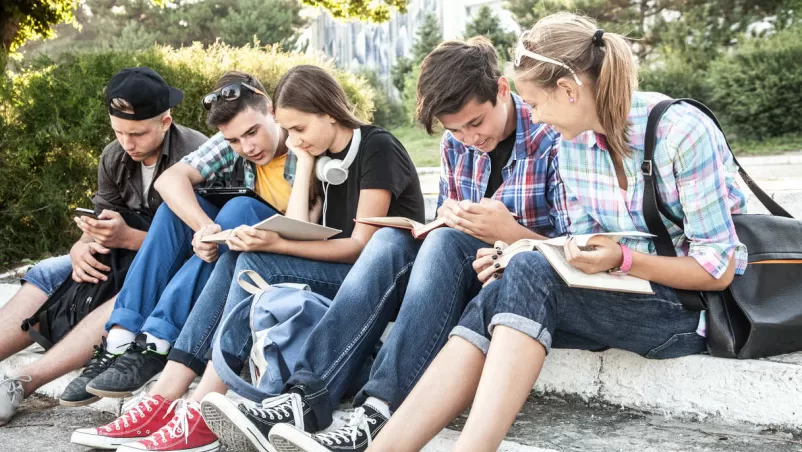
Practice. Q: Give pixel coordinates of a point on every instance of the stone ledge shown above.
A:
(761, 392)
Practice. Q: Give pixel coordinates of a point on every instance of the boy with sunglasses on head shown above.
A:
(173, 265)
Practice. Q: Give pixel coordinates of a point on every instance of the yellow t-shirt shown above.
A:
(271, 185)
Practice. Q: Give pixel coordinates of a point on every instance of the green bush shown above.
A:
(53, 127)
(756, 89)
(388, 112)
(676, 79)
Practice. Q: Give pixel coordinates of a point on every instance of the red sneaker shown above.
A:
(148, 415)
(186, 432)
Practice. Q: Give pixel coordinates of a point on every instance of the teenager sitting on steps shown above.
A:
(313, 109)
(147, 143)
(499, 181)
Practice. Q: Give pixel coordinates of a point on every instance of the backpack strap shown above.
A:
(259, 284)
(40, 316)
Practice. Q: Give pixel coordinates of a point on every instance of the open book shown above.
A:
(552, 250)
(287, 228)
(419, 230)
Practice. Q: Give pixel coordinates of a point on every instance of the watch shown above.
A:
(626, 263)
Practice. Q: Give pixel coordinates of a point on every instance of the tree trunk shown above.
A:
(9, 27)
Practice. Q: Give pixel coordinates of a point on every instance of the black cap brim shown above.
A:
(176, 96)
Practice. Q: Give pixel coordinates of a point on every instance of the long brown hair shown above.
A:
(311, 89)
(608, 65)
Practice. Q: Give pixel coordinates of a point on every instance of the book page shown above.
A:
(292, 229)
(285, 227)
(393, 222)
(575, 277)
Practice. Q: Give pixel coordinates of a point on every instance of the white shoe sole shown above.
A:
(234, 430)
(286, 438)
(100, 442)
(213, 447)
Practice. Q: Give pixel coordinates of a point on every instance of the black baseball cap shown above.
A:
(145, 90)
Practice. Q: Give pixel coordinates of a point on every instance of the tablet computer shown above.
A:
(219, 196)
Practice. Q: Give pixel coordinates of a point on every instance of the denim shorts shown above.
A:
(48, 274)
(533, 299)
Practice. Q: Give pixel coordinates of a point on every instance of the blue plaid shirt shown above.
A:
(696, 180)
(531, 187)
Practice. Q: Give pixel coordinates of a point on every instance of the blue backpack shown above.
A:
(281, 317)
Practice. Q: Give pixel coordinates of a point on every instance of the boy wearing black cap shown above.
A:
(148, 142)
(162, 285)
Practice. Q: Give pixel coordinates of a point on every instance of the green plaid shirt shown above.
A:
(215, 161)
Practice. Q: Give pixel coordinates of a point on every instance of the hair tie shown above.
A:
(597, 38)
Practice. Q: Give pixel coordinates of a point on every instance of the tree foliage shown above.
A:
(488, 25)
(21, 20)
(428, 36)
(374, 11)
(695, 30)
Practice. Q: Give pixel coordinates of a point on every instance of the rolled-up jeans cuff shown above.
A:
(194, 363)
(525, 325)
(481, 342)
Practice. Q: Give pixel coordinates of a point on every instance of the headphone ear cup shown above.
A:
(330, 171)
(320, 167)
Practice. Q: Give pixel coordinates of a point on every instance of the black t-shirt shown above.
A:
(498, 160)
(382, 163)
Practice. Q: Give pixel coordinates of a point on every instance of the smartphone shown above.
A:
(81, 212)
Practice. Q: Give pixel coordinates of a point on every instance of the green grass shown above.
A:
(769, 146)
(424, 149)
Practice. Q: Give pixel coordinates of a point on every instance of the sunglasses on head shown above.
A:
(229, 92)
(521, 51)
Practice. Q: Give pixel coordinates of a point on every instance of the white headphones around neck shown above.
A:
(335, 171)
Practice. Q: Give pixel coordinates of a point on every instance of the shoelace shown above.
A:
(101, 359)
(179, 425)
(14, 382)
(143, 403)
(359, 421)
(278, 408)
(131, 360)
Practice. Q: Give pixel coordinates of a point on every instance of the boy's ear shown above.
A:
(503, 88)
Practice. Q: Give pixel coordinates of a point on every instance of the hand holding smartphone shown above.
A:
(81, 212)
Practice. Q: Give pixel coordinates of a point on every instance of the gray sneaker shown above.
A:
(11, 395)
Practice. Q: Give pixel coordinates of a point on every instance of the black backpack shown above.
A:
(73, 301)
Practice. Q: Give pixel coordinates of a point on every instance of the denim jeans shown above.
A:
(430, 281)
(162, 284)
(48, 274)
(533, 299)
(222, 293)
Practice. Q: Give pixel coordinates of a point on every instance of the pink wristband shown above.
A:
(626, 264)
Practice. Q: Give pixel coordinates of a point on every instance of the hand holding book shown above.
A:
(582, 261)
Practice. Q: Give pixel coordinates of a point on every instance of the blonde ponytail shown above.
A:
(618, 79)
(604, 59)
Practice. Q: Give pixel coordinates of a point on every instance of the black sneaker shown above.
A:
(130, 372)
(75, 394)
(245, 429)
(364, 425)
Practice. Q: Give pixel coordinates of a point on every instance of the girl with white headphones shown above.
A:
(362, 169)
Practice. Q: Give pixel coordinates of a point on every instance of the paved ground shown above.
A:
(546, 424)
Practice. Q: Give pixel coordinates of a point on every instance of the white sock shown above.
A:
(379, 406)
(162, 346)
(118, 339)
